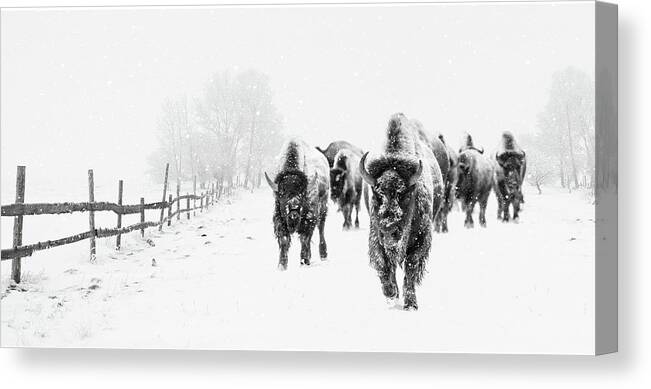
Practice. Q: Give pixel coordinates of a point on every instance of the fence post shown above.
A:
(91, 214)
(142, 216)
(188, 204)
(118, 240)
(194, 193)
(169, 212)
(18, 222)
(162, 210)
(178, 201)
(201, 202)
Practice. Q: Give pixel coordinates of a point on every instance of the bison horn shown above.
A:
(272, 184)
(414, 178)
(362, 170)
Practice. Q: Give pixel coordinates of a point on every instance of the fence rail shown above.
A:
(19, 209)
(59, 208)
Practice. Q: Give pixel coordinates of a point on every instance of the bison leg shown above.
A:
(409, 288)
(470, 207)
(357, 214)
(506, 211)
(283, 244)
(516, 209)
(347, 216)
(437, 222)
(415, 266)
(482, 212)
(358, 203)
(323, 248)
(388, 281)
(386, 269)
(441, 220)
(283, 237)
(306, 248)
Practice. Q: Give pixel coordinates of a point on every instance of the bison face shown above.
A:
(393, 202)
(513, 185)
(510, 162)
(290, 190)
(291, 210)
(337, 180)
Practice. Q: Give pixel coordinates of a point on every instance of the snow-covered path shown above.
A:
(509, 288)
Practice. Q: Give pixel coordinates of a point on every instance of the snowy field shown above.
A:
(509, 288)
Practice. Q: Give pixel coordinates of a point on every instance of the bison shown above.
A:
(333, 148)
(510, 168)
(474, 181)
(447, 163)
(407, 188)
(300, 188)
(346, 185)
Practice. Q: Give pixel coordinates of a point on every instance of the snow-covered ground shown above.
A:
(510, 288)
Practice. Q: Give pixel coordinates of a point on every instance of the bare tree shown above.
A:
(173, 126)
(568, 122)
(540, 161)
(234, 131)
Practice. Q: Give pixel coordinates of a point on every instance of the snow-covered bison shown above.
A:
(407, 189)
(510, 169)
(447, 163)
(346, 185)
(333, 148)
(300, 187)
(474, 181)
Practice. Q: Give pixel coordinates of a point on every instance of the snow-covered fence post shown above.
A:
(142, 216)
(118, 240)
(18, 222)
(91, 214)
(187, 198)
(201, 202)
(162, 210)
(194, 193)
(178, 201)
(169, 211)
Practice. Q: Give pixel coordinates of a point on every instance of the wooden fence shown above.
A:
(19, 209)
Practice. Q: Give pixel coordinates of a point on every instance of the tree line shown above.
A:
(562, 149)
(227, 134)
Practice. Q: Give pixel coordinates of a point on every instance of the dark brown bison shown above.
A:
(474, 181)
(333, 148)
(447, 164)
(300, 187)
(510, 169)
(407, 189)
(346, 185)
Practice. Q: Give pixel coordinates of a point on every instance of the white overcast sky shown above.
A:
(82, 88)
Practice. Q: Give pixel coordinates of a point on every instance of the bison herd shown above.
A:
(408, 190)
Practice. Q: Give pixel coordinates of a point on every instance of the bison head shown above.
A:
(510, 160)
(513, 184)
(393, 199)
(512, 164)
(290, 190)
(465, 165)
